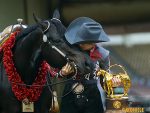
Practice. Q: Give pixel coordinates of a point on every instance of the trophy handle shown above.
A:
(118, 66)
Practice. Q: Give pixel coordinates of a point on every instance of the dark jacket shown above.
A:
(89, 101)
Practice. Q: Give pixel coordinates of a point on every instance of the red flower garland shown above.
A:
(21, 91)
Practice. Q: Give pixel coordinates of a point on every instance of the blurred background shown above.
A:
(127, 22)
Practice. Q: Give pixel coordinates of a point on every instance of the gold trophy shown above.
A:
(115, 102)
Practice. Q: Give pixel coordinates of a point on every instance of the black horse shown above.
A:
(29, 52)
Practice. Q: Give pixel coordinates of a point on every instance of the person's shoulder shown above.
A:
(103, 51)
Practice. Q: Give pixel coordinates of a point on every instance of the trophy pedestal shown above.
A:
(116, 105)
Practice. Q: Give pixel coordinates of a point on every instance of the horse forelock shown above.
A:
(60, 27)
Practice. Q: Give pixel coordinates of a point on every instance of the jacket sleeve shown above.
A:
(104, 64)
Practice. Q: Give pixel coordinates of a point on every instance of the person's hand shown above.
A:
(67, 69)
(116, 81)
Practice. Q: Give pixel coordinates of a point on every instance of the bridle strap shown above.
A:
(56, 19)
(48, 26)
(59, 51)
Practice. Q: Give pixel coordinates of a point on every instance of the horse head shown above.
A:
(56, 50)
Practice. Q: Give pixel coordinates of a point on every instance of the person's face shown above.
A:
(87, 46)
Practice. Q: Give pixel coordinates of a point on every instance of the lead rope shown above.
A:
(54, 108)
(54, 104)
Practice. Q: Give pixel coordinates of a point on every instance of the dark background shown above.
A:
(117, 16)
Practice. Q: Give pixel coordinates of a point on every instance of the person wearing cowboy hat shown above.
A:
(85, 32)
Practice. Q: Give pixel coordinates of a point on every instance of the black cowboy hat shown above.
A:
(85, 30)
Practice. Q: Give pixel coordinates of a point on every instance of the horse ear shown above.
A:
(56, 14)
(37, 20)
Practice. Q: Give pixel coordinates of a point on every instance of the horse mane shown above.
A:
(26, 31)
(31, 28)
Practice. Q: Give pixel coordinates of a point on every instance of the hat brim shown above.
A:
(73, 29)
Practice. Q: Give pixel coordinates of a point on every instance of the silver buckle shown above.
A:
(78, 88)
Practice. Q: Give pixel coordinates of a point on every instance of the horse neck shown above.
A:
(27, 57)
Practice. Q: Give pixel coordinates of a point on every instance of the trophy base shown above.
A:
(116, 104)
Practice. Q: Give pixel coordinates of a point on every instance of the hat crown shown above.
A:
(91, 26)
(89, 30)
